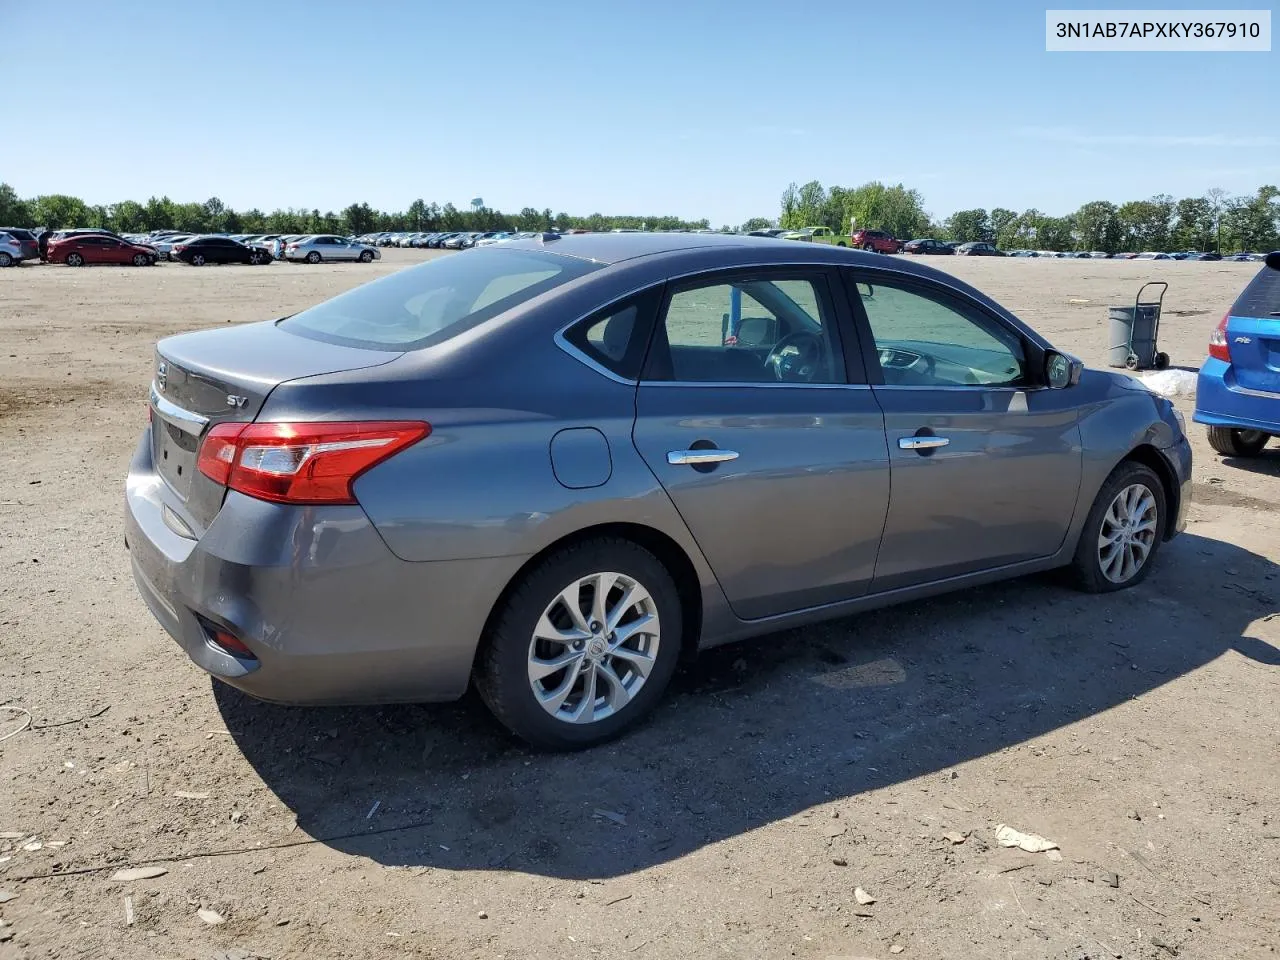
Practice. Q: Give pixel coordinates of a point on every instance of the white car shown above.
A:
(327, 246)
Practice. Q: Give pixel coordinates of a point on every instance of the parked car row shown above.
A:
(443, 240)
(90, 245)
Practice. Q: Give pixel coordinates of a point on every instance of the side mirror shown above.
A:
(1273, 260)
(1061, 370)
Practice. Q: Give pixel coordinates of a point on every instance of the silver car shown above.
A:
(10, 250)
(553, 466)
(326, 246)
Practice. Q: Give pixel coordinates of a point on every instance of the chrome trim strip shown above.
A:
(753, 383)
(921, 443)
(1250, 392)
(678, 457)
(185, 420)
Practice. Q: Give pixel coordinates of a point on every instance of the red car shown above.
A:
(876, 240)
(81, 249)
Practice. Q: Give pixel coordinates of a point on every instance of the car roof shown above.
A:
(616, 247)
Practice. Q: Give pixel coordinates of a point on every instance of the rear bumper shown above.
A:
(1221, 402)
(332, 616)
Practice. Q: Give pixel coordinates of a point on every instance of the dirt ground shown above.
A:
(1139, 731)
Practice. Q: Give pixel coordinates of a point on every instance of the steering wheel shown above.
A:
(803, 365)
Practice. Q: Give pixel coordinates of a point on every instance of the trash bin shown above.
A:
(1133, 330)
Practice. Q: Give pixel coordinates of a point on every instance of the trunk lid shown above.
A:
(1253, 333)
(215, 376)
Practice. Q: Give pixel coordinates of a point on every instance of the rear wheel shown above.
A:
(1231, 442)
(583, 646)
(313, 257)
(75, 260)
(1123, 531)
(5, 259)
(197, 259)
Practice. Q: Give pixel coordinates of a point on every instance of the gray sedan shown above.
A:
(322, 247)
(553, 465)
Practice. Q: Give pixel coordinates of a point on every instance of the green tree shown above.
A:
(756, 223)
(895, 209)
(128, 216)
(416, 215)
(1003, 227)
(966, 226)
(1097, 227)
(360, 218)
(14, 212)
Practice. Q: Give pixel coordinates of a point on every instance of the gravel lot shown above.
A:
(1139, 731)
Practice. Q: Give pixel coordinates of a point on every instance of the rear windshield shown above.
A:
(1261, 298)
(436, 300)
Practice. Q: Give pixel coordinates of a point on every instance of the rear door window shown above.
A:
(1261, 298)
(436, 300)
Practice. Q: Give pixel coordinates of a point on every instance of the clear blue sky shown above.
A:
(695, 108)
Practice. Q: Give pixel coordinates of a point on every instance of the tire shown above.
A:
(5, 259)
(1231, 442)
(197, 260)
(1131, 361)
(1090, 572)
(509, 648)
(366, 256)
(313, 257)
(841, 243)
(869, 247)
(75, 260)
(255, 259)
(140, 259)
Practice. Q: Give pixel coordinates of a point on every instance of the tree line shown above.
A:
(1216, 221)
(60, 211)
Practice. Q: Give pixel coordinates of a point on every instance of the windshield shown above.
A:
(436, 300)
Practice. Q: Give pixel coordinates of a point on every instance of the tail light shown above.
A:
(1218, 348)
(301, 462)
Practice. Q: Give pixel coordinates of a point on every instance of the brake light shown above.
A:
(301, 462)
(1218, 348)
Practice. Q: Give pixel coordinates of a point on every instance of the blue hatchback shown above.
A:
(1238, 391)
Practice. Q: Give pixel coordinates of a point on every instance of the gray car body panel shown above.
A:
(388, 600)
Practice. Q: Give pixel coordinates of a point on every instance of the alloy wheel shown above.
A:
(1128, 533)
(593, 647)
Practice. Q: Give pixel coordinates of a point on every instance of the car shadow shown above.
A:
(757, 731)
(1266, 463)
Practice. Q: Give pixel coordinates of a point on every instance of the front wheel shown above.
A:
(366, 256)
(1231, 442)
(197, 260)
(869, 247)
(1123, 531)
(841, 243)
(313, 257)
(583, 646)
(141, 260)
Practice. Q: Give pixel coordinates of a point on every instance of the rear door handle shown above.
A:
(921, 443)
(676, 457)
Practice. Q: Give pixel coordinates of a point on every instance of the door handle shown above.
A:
(921, 443)
(692, 457)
